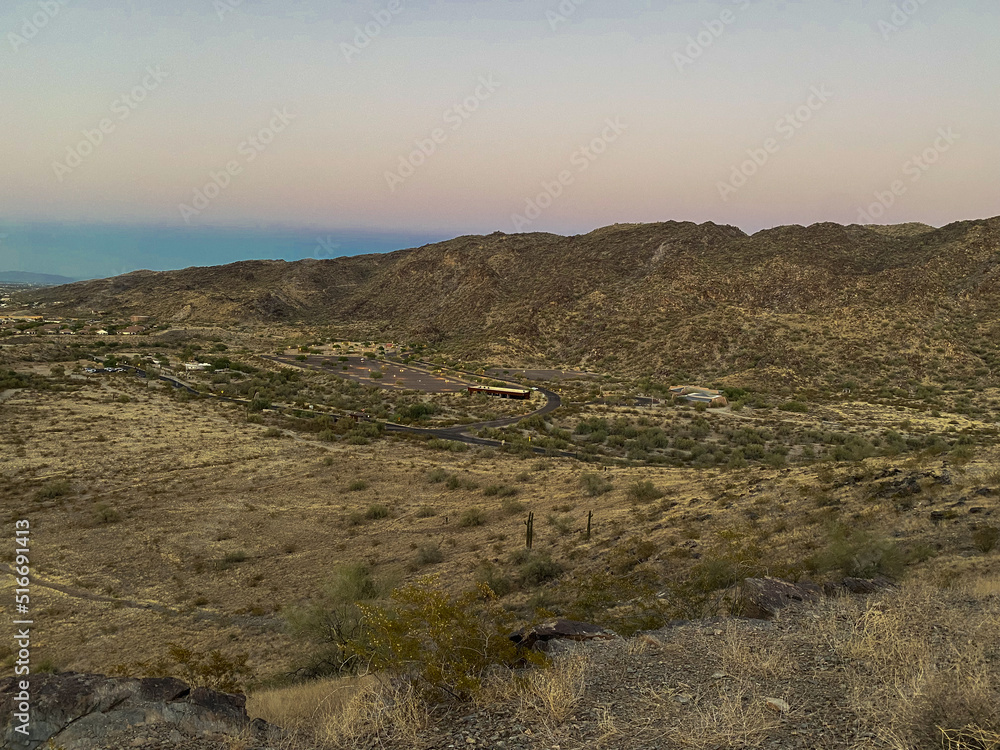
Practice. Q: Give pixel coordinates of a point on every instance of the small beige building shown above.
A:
(696, 395)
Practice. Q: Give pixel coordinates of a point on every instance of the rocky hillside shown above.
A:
(791, 304)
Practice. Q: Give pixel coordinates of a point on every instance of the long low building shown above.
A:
(522, 393)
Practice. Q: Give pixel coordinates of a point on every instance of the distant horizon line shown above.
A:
(397, 239)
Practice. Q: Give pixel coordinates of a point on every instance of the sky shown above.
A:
(141, 134)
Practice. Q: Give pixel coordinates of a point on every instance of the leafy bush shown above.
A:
(232, 559)
(985, 538)
(376, 512)
(447, 445)
(794, 406)
(334, 621)
(499, 490)
(472, 517)
(595, 485)
(105, 514)
(511, 507)
(214, 670)
(643, 492)
(357, 485)
(492, 576)
(860, 554)
(444, 644)
(437, 475)
(429, 554)
(54, 489)
(538, 569)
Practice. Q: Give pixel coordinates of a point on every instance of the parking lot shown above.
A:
(394, 377)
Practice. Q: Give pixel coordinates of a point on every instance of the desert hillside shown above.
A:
(804, 304)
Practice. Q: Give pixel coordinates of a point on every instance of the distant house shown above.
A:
(696, 395)
(196, 366)
(133, 330)
(139, 319)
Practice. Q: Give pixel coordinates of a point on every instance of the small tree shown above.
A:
(444, 643)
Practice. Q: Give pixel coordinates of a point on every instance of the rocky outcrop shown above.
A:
(539, 635)
(83, 711)
(762, 598)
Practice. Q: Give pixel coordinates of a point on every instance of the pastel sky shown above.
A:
(364, 126)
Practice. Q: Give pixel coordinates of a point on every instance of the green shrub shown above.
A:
(538, 569)
(794, 406)
(472, 517)
(499, 490)
(985, 538)
(436, 476)
(595, 485)
(215, 670)
(105, 514)
(54, 489)
(442, 643)
(643, 492)
(232, 559)
(429, 554)
(357, 485)
(860, 554)
(626, 556)
(511, 507)
(426, 511)
(333, 621)
(376, 512)
(494, 578)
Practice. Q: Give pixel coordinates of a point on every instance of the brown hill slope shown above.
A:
(791, 302)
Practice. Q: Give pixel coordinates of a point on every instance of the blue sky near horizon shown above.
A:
(99, 251)
(195, 132)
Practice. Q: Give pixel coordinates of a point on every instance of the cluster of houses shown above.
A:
(38, 325)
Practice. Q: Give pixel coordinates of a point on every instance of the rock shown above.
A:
(761, 598)
(88, 710)
(778, 705)
(558, 629)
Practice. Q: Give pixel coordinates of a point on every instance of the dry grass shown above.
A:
(554, 692)
(306, 705)
(748, 653)
(920, 665)
(342, 713)
(735, 717)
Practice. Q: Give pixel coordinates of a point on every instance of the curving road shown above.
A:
(459, 433)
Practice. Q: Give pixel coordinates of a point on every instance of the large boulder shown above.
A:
(89, 710)
(761, 598)
(539, 635)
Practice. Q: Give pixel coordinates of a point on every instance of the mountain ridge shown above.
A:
(649, 297)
